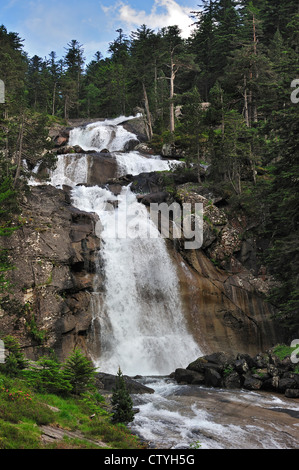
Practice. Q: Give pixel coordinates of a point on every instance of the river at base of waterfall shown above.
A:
(196, 417)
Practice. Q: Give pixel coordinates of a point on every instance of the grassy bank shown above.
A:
(83, 422)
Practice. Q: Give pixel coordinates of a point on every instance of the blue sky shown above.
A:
(49, 25)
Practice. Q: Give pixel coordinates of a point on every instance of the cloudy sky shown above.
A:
(49, 25)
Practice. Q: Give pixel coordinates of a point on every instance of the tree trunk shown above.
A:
(66, 108)
(148, 114)
(19, 152)
(53, 99)
(255, 69)
(156, 87)
(246, 111)
(171, 95)
(222, 113)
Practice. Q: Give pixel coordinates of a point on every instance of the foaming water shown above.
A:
(183, 416)
(142, 325)
(70, 170)
(134, 163)
(107, 134)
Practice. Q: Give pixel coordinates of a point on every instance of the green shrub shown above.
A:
(17, 405)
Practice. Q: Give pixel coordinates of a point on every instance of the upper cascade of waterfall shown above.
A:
(73, 169)
(100, 135)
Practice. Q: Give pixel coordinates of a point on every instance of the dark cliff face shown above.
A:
(224, 311)
(54, 254)
(224, 286)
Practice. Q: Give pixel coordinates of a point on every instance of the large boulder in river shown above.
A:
(136, 126)
(107, 382)
(185, 376)
(217, 361)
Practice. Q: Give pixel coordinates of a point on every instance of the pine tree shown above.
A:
(13, 67)
(144, 72)
(80, 372)
(8, 206)
(283, 222)
(120, 64)
(121, 400)
(72, 78)
(193, 130)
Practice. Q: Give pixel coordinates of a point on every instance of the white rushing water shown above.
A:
(107, 134)
(142, 325)
(133, 163)
(70, 170)
(195, 417)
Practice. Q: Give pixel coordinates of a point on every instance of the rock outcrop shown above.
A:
(54, 255)
(264, 371)
(107, 382)
(225, 300)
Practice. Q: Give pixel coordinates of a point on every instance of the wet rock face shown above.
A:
(223, 286)
(54, 254)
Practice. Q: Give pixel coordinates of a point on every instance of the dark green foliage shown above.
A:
(122, 404)
(48, 376)
(282, 226)
(80, 372)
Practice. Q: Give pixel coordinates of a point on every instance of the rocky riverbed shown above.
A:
(265, 371)
(199, 417)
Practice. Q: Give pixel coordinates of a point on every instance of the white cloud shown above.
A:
(163, 13)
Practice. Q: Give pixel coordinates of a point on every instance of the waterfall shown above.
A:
(102, 135)
(133, 163)
(143, 329)
(70, 170)
(142, 325)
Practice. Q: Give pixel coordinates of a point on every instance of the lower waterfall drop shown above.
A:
(143, 330)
